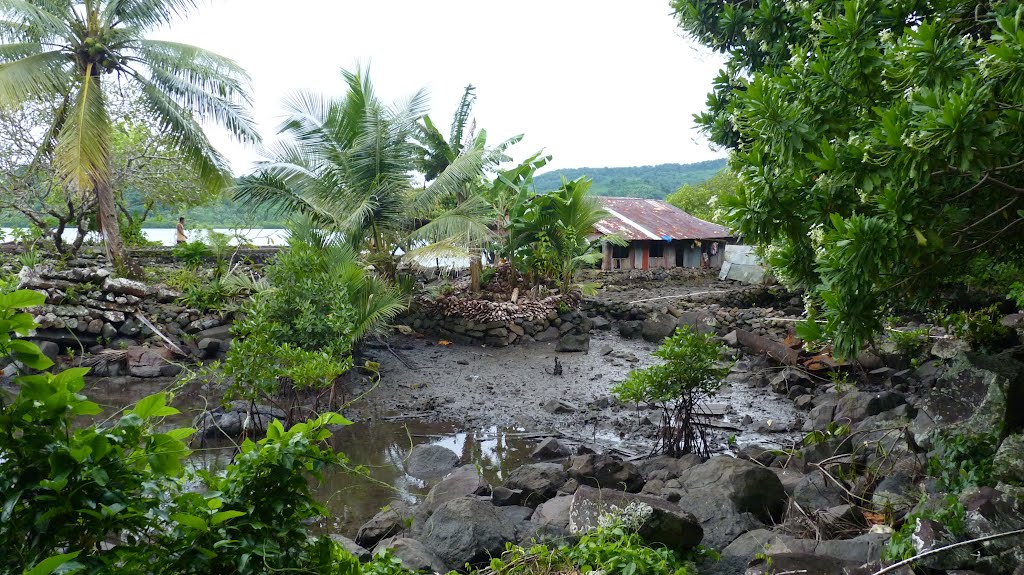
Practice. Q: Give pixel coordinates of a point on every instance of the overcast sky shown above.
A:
(593, 82)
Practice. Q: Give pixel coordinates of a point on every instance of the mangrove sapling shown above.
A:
(678, 387)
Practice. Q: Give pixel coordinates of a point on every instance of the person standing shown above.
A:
(180, 232)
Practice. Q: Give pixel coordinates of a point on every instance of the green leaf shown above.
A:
(154, 406)
(921, 240)
(223, 516)
(51, 564)
(333, 419)
(22, 299)
(190, 521)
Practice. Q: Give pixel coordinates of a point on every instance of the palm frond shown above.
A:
(35, 76)
(145, 13)
(37, 19)
(186, 135)
(83, 145)
(467, 224)
(17, 50)
(461, 118)
(377, 302)
(466, 169)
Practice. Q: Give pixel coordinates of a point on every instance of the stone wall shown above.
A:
(88, 310)
(500, 333)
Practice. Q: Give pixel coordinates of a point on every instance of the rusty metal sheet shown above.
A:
(641, 219)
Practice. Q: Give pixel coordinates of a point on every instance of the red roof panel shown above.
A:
(640, 219)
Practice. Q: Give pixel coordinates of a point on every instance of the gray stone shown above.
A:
(630, 329)
(948, 348)
(815, 492)
(464, 481)
(538, 482)
(467, 530)
(574, 342)
(896, 492)
(415, 556)
(657, 327)
(357, 551)
(605, 471)
(49, 349)
(600, 323)
(699, 321)
(754, 489)
(427, 461)
(95, 326)
(503, 496)
(1008, 465)
(389, 522)
(550, 448)
(553, 514)
(667, 524)
(855, 406)
(550, 334)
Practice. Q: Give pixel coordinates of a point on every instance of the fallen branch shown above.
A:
(938, 550)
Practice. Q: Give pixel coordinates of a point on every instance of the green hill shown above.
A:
(654, 182)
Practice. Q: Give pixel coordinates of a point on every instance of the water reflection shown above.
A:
(383, 447)
(379, 445)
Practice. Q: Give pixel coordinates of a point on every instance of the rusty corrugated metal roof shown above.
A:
(640, 219)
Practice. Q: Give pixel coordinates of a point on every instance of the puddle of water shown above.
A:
(380, 446)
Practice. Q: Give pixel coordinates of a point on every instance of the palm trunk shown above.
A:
(106, 214)
(475, 269)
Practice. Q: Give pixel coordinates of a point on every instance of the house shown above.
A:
(660, 235)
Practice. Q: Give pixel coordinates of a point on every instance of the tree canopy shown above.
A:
(704, 200)
(878, 141)
(60, 51)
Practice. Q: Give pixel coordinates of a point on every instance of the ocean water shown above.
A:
(255, 236)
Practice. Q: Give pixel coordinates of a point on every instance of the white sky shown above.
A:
(595, 83)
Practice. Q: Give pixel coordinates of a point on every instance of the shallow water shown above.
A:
(380, 446)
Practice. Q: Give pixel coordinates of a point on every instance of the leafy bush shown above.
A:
(688, 377)
(193, 254)
(963, 460)
(910, 342)
(981, 328)
(301, 330)
(117, 497)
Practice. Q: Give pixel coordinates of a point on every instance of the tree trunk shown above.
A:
(475, 269)
(106, 215)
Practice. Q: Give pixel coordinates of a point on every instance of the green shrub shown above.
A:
(688, 377)
(909, 342)
(301, 330)
(117, 498)
(961, 460)
(981, 328)
(192, 254)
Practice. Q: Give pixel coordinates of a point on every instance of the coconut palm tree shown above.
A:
(348, 163)
(476, 216)
(70, 52)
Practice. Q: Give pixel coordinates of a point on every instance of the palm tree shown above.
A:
(471, 199)
(349, 164)
(59, 51)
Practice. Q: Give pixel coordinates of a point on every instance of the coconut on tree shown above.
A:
(68, 52)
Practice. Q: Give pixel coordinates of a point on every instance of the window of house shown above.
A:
(620, 252)
(657, 250)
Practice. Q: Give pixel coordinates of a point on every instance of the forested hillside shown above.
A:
(636, 181)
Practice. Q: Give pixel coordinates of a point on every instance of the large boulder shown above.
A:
(657, 327)
(537, 482)
(428, 461)
(463, 482)
(666, 524)
(389, 522)
(605, 471)
(414, 555)
(848, 553)
(698, 321)
(1008, 465)
(552, 516)
(574, 342)
(975, 394)
(815, 491)
(753, 488)
(854, 406)
(467, 530)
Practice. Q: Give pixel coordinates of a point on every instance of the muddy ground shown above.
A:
(512, 387)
